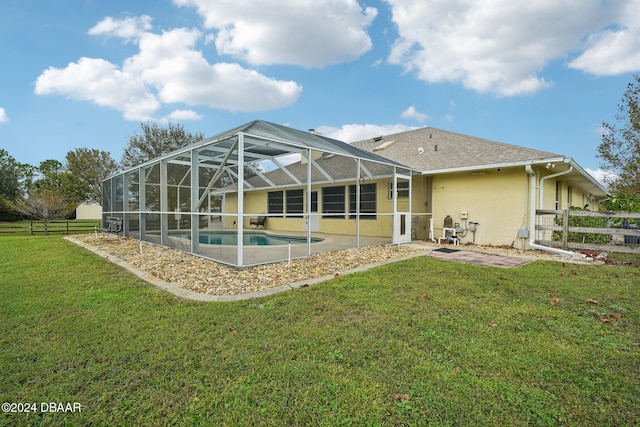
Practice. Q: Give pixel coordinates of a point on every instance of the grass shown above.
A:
(625, 258)
(412, 343)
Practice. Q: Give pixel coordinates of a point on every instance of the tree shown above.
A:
(10, 182)
(44, 205)
(620, 147)
(49, 179)
(85, 169)
(156, 141)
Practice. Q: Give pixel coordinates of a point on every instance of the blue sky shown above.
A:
(543, 74)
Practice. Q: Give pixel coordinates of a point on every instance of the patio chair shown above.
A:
(259, 221)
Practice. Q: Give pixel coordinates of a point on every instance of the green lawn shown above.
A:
(412, 343)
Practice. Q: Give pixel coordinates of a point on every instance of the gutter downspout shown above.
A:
(544, 178)
(532, 213)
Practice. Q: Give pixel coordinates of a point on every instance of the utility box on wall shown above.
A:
(523, 233)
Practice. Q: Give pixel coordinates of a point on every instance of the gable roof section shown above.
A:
(431, 150)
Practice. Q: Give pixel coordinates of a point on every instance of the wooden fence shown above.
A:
(602, 231)
(53, 227)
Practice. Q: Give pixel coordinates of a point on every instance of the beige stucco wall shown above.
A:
(255, 204)
(570, 194)
(497, 200)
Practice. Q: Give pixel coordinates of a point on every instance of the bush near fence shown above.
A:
(585, 221)
(53, 227)
(584, 229)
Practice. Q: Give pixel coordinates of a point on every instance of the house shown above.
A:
(323, 194)
(498, 186)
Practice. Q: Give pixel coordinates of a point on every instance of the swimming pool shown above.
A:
(250, 238)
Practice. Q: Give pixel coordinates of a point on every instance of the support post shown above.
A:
(164, 205)
(125, 204)
(195, 197)
(565, 229)
(358, 203)
(142, 194)
(240, 149)
(309, 202)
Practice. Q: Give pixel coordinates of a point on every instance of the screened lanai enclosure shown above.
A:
(263, 193)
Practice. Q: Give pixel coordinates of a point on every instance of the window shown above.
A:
(333, 202)
(569, 196)
(403, 190)
(275, 202)
(367, 201)
(558, 195)
(294, 202)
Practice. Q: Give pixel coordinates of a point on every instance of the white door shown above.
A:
(402, 209)
(314, 218)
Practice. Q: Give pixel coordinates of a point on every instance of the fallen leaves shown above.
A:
(555, 301)
(493, 325)
(425, 296)
(603, 317)
(592, 301)
(400, 396)
(615, 315)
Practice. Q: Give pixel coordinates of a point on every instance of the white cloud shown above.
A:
(501, 46)
(412, 113)
(182, 74)
(103, 83)
(181, 116)
(129, 29)
(167, 69)
(296, 32)
(3, 116)
(615, 49)
(602, 176)
(356, 132)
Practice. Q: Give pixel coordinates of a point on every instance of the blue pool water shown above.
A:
(250, 238)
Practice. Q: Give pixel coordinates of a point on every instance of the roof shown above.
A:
(288, 140)
(326, 169)
(264, 140)
(434, 151)
(429, 150)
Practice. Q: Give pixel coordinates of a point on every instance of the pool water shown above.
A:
(250, 238)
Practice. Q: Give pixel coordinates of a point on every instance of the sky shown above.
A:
(542, 74)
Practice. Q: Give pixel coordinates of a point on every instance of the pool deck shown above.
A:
(254, 255)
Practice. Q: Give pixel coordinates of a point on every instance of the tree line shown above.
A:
(53, 189)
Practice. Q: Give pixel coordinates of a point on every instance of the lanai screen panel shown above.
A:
(204, 198)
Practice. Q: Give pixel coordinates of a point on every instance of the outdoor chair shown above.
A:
(114, 226)
(259, 221)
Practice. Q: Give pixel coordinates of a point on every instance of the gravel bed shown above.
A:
(209, 277)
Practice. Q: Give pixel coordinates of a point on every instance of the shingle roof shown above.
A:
(430, 149)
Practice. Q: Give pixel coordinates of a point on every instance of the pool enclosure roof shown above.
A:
(266, 141)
